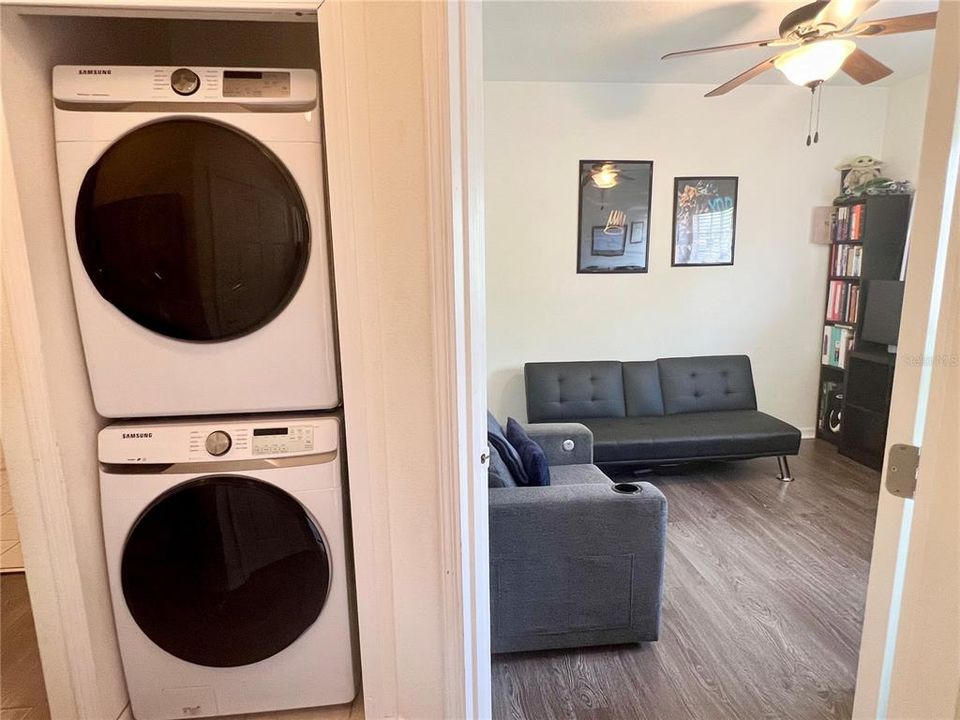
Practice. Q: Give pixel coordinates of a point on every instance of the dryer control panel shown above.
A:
(125, 84)
(254, 438)
(271, 440)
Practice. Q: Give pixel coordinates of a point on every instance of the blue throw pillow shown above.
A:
(510, 457)
(531, 454)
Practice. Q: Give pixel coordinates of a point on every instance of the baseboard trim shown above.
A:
(808, 433)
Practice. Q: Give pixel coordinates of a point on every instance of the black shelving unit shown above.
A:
(865, 382)
(866, 406)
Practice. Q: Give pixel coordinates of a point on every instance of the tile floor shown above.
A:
(11, 554)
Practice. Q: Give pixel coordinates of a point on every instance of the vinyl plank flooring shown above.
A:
(763, 605)
(22, 692)
(15, 713)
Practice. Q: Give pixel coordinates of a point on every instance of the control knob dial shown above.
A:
(184, 81)
(218, 443)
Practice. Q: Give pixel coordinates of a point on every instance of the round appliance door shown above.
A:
(193, 230)
(225, 571)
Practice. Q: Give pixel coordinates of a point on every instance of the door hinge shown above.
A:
(903, 463)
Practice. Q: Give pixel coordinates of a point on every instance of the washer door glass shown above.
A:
(225, 571)
(193, 230)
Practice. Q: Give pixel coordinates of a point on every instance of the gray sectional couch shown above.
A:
(663, 411)
(578, 562)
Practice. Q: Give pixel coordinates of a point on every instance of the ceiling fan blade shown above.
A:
(843, 13)
(864, 67)
(743, 77)
(721, 48)
(891, 26)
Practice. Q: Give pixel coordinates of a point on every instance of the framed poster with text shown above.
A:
(704, 220)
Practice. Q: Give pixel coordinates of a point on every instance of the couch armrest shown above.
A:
(552, 436)
(575, 565)
(575, 519)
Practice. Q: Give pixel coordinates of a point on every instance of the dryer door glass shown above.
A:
(225, 571)
(193, 230)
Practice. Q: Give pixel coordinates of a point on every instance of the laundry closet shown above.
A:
(171, 181)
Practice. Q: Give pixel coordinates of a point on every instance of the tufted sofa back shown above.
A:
(558, 391)
(573, 390)
(711, 382)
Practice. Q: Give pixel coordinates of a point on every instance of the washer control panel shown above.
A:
(125, 84)
(280, 440)
(254, 437)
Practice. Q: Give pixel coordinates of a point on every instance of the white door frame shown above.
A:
(925, 678)
(927, 251)
(461, 306)
(452, 84)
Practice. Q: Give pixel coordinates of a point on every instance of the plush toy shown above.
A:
(860, 170)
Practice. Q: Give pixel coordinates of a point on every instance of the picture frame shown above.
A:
(613, 216)
(704, 221)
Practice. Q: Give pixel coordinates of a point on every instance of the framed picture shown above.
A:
(704, 220)
(613, 216)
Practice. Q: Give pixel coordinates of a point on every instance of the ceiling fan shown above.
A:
(822, 33)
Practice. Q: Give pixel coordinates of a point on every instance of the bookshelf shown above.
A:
(868, 237)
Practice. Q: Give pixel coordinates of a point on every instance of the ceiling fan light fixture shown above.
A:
(606, 176)
(814, 63)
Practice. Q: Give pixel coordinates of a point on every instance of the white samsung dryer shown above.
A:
(193, 206)
(227, 559)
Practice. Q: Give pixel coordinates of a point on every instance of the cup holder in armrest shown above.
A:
(627, 488)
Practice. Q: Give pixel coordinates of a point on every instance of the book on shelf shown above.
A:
(836, 345)
(846, 260)
(843, 302)
(848, 223)
(856, 222)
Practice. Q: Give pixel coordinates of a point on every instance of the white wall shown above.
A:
(906, 109)
(769, 304)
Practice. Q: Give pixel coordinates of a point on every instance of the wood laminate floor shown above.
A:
(22, 692)
(763, 605)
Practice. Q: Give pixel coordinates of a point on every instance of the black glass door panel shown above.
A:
(193, 230)
(225, 571)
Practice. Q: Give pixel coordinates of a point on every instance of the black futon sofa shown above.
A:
(660, 412)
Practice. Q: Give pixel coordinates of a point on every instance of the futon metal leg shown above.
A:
(784, 475)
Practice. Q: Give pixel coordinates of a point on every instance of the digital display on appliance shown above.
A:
(269, 431)
(255, 84)
(278, 440)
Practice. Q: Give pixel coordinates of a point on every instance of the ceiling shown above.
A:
(602, 41)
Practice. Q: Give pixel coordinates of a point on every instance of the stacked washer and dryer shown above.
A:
(193, 204)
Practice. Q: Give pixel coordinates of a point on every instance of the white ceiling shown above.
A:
(602, 41)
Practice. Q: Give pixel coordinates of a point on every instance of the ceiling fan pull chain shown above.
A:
(816, 135)
(810, 116)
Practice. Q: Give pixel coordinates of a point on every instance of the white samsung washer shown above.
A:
(193, 206)
(227, 560)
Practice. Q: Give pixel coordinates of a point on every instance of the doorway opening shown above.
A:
(764, 581)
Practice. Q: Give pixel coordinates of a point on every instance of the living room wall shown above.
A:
(768, 305)
(903, 132)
